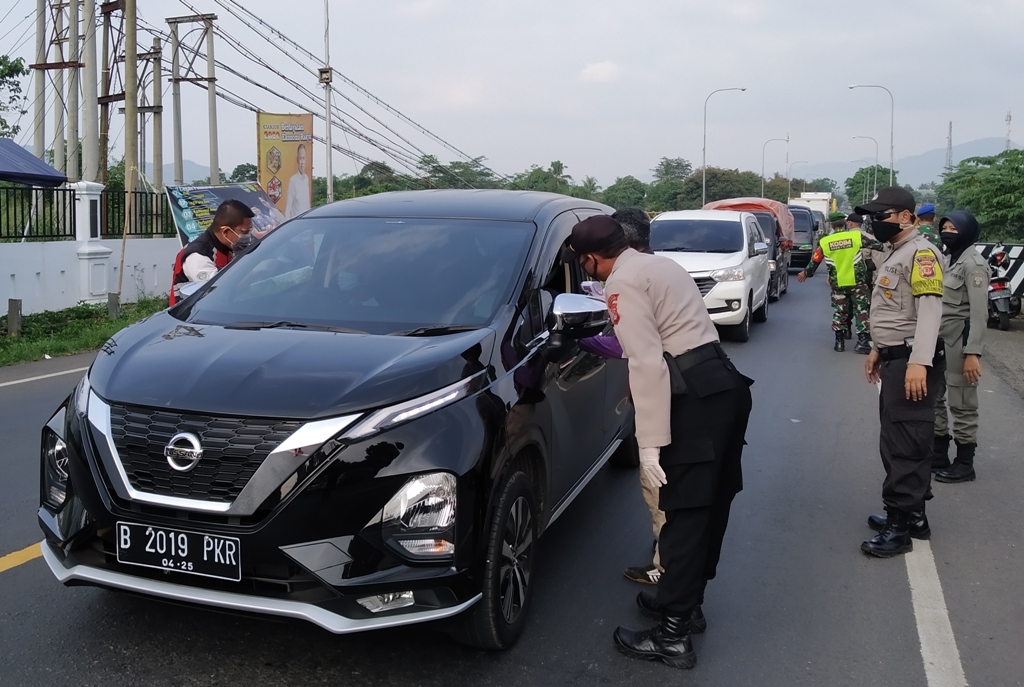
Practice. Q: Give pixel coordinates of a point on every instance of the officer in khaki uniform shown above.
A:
(906, 309)
(691, 406)
(964, 319)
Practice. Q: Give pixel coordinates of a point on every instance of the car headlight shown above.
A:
(386, 418)
(55, 470)
(420, 517)
(728, 274)
(82, 395)
(772, 266)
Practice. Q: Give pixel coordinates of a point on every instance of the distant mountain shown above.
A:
(914, 169)
(191, 171)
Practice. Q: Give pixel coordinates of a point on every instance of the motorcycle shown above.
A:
(1002, 304)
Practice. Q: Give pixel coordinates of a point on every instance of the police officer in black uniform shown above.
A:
(691, 406)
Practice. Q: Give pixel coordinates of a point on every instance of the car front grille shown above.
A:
(705, 284)
(233, 449)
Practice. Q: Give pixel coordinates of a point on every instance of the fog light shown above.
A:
(387, 602)
(428, 547)
(734, 305)
(56, 497)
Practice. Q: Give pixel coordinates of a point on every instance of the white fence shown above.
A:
(58, 274)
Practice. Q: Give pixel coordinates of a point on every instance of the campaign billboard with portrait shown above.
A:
(286, 160)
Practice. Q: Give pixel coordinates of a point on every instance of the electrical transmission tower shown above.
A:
(1009, 120)
(181, 55)
(949, 149)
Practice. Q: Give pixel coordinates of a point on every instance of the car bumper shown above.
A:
(800, 258)
(722, 302)
(70, 573)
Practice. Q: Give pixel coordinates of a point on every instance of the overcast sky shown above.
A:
(609, 87)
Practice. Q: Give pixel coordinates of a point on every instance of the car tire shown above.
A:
(627, 455)
(497, 620)
(774, 290)
(785, 282)
(741, 332)
(761, 314)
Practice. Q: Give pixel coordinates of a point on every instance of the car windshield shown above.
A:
(373, 275)
(697, 236)
(803, 226)
(767, 222)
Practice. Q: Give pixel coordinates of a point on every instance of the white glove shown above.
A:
(651, 465)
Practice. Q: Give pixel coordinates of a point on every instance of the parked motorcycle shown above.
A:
(1002, 304)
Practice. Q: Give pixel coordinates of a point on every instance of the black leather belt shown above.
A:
(696, 356)
(890, 353)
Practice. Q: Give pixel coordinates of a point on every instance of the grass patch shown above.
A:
(63, 332)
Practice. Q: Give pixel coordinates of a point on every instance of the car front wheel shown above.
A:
(497, 620)
(741, 332)
(761, 314)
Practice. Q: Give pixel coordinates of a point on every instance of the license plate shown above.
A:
(194, 553)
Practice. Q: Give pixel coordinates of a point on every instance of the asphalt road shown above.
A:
(795, 602)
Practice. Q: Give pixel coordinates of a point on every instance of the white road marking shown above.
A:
(37, 378)
(942, 666)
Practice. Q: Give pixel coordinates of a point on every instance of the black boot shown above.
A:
(940, 453)
(668, 642)
(646, 602)
(919, 528)
(894, 538)
(848, 332)
(963, 466)
(840, 342)
(863, 344)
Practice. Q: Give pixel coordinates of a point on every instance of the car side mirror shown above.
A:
(577, 316)
(189, 288)
(760, 248)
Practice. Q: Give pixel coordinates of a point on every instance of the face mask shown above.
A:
(243, 242)
(885, 231)
(950, 238)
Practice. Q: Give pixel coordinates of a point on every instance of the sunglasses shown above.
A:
(883, 215)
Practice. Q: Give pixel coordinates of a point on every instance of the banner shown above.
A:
(193, 207)
(286, 160)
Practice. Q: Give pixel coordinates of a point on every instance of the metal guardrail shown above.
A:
(36, 214)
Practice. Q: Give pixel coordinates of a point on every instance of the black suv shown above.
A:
(367, 420)
(804, 236)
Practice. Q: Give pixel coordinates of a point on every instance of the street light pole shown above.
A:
(704, 149)
(874, 184)
(786, 139)
(892, 123)
(789, 178)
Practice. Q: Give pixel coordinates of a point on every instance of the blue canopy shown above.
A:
(22, 167)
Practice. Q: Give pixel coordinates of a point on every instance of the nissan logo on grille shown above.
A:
(183, 451)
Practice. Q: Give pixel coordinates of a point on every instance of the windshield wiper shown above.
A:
(436, 330)
(676, 249)
(284, 324)
(721, 250)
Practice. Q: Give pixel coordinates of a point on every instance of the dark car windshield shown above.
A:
(768, 226)
(374, 275)
(803, 225)
(697, 236)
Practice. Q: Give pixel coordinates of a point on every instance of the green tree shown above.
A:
(552, 180)
(459, 174)
(589, 189)
(115, 177)
(205, 181)
(992, 188)
(243, 172)
(12, 102)
(721, 184)
(861, 186)
(672, 169)
(627, 191)
(823, 185)
(663, 195)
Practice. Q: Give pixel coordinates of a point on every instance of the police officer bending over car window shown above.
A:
(691, 406)
(908, 359)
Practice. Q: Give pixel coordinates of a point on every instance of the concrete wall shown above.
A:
(59, 274)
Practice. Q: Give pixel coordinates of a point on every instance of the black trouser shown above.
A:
(905, 438)
(702, 465)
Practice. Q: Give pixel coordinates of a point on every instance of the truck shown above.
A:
(820, 205)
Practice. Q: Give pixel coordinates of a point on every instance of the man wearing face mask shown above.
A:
(908, 359)
(964, 319)
(213, 249)
(691, 406)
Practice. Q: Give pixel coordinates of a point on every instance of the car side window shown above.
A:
(752, 237)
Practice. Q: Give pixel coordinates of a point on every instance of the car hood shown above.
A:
(704, 262)
(280, 373)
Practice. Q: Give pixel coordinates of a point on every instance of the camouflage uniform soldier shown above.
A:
(842, 251)
(926, 225)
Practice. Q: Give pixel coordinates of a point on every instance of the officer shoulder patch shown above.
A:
(926, 274)
(979, 280)
(613, 308)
